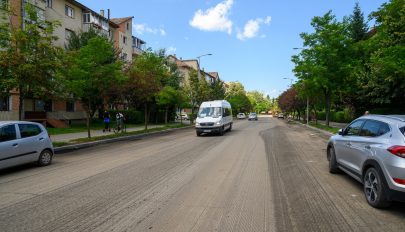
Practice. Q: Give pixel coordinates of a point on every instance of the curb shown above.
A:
(316, 129)
(74, 147)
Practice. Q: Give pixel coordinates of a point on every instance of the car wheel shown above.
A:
(45, 158)
(333, 165)
(230, 127)
(221, 131)
(198, 133)
(375, 189)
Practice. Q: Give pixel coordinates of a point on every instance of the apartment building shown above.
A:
(73, 17)
(123, 37)
(138, 47)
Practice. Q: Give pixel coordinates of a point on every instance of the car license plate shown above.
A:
(207, 131)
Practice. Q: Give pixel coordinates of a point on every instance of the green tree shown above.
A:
(146, 76)
(28, 58)
(217, 90)
(167, 97)
(326, 59)
(236, 95)
(357, 25)
(90, 73)
(258, 101)
(383, 80)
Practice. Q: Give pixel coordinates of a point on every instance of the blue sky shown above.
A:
(251, 40)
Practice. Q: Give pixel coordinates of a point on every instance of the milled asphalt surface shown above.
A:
(267, 175)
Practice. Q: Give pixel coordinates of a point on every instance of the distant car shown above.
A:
(24, 142)
(371, 149)
(252, 116)
(241, 116)
(280, 115)
(183, 117)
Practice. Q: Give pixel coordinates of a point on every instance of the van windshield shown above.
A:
(214, 112)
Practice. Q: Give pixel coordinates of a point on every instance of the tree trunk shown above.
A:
(88, 121)
(315, 114)
(146, 116)
(167, 109)
(327, 106)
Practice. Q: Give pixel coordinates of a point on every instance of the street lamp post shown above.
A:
(198, 66)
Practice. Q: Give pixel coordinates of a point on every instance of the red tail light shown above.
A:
(399, 181)
(397, 150)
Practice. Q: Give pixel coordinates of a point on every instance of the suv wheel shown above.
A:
(45, 158)
(333, 166)
(375, 188)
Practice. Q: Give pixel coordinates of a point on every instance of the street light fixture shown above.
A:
(198, 66)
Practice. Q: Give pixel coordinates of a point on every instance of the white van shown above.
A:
(214, 117)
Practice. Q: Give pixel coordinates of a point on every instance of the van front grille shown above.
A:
(207, 124)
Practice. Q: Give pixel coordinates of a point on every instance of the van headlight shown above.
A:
(219, 122)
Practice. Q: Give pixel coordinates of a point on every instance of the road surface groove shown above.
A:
(263, 176)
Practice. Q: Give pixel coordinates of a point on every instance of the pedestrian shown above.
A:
(119, 117)
(106, 117)
(366, 113)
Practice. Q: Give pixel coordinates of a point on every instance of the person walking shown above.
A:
(106, 117)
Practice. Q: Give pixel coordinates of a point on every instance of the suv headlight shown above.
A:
(197, 123)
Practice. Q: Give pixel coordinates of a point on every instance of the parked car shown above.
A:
(371, 149)
(252, 116)
(280, 115)
(24, 142)
(183, 117)
(241, 116)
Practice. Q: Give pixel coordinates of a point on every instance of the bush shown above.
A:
(321, 115)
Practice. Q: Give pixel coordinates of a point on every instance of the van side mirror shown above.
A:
(341, 131)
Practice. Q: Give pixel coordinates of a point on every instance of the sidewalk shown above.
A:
(94, 133)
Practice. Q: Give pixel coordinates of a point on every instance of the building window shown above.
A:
(49, 3)
(5, 103)
(127, 26)
(70, 106)
(69, 11)
(86, 18)
(68, 34)
(124, 40)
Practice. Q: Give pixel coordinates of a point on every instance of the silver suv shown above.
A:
(371, 149)
(24, 142)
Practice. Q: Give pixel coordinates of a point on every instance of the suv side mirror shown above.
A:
(341, 131)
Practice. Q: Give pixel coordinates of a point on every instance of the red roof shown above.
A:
(121, 20)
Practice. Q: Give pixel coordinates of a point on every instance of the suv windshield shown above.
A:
(209, 112)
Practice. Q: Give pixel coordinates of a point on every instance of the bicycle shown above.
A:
(120, 127)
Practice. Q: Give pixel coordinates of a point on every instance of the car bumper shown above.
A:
(208, 129)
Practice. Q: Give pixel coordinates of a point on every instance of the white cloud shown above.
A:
(171, 50)
(144, 28)
(214, 19)
(252, 28)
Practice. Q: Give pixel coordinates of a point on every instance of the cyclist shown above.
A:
(120, 121)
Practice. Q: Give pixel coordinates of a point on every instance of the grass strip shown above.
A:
(121, 134)
(333, 130)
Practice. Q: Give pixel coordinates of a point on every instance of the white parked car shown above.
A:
(24, 142)
(241, 116)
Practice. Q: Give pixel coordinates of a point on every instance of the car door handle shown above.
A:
(367, 147)
(40, 139)
(348, 144)
(15, 144)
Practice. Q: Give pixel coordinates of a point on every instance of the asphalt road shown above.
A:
(263, 176)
